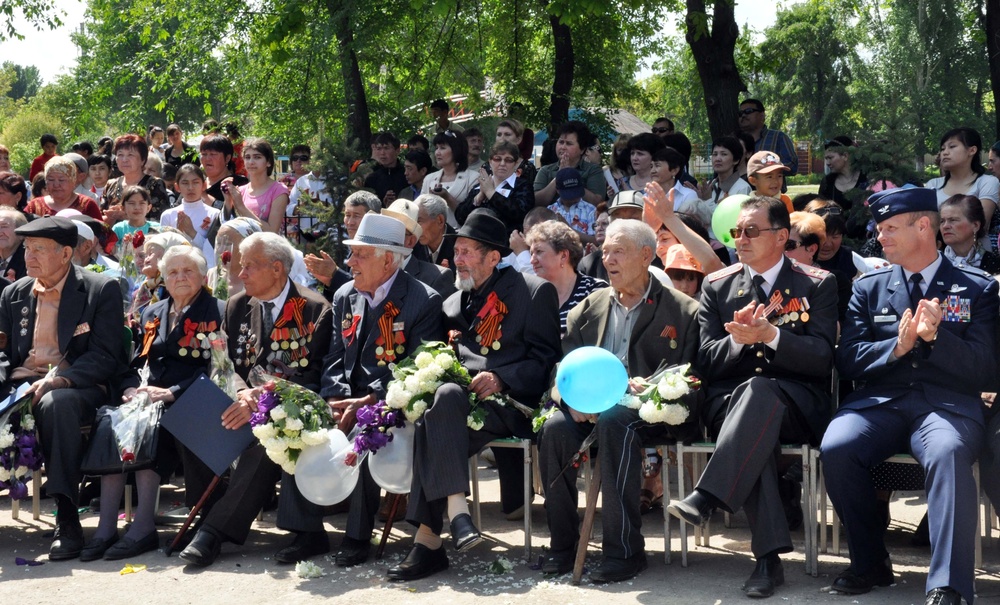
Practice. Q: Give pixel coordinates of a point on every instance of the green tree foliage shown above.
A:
(38, 13)
(25, 83)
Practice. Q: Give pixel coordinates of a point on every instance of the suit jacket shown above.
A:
(529, 340)
(446, 257)
(419, 320)
(948, 373)
(665, 333)
(511, 209)
(593, 265)
(249, 347)
(803, 361)
(16, 264)
(168, 368)
(89, 326)
(441, 279)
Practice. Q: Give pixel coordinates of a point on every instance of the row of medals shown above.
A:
(204, 348)
(495, 345)
(292, 343)
(790, 317)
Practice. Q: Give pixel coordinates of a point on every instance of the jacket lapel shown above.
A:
(71, 304)
(941, 282)
(24, 309)
(899, 296)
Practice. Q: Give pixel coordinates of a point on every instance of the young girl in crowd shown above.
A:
(136, 203)
(262, 198)
(195, 214)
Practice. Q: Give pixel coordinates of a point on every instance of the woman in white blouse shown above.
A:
(453, 181)
(963, 173)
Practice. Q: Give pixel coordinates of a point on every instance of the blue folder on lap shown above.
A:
(195, 419)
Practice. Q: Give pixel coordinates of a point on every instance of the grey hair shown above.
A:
(157, 163)
(19, 219)
(397, 257)
(433, 204)
(189, 252)
(364, 198)
(273, 246)
(63, 165)
(635, 231)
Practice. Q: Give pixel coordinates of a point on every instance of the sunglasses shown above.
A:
(300, 158)
(793, 244)
(752, 231)
(831, 210)
(503, 159)
(661, 130)
(747, 111)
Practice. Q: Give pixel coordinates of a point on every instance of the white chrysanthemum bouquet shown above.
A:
(661, 399)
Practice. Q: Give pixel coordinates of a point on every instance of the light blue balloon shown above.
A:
(591, 380)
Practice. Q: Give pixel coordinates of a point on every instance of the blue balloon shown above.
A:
(591, 380)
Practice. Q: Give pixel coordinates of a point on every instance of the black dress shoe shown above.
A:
(768, 574)
(696, 509)
(67, 542)
(943, 596)
(96, 548)
(420, 562)
(850, 582)
(559, 561)
(619, 570)
(353, 552)
(306, 545)
(128, 547)
(464, 534)
(202, 550)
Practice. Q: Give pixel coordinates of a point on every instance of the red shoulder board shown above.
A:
(731, 269)
(810, 270)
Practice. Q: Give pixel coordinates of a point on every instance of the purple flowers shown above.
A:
(20, 453)
(265, 403)
(375, 423)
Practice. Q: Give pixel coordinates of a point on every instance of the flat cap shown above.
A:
(57, 228)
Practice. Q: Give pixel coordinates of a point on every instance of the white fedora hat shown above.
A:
(379, 231)
(406, 211)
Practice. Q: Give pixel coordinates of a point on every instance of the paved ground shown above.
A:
(249, 575)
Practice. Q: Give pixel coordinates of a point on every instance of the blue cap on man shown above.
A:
(887, 204)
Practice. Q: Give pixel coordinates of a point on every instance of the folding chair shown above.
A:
(530, 453)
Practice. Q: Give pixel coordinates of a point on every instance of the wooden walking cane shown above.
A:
(194, 511)
(588, 522)
(393, 507)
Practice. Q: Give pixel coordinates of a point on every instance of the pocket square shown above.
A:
(81, 329)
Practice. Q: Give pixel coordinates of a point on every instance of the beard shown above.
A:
(465, 284)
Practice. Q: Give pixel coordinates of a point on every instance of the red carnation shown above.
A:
(137, 239)
(227, 256)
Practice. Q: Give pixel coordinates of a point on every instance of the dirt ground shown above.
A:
(248, 574)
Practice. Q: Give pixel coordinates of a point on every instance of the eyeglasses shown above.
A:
(747, 111)
(502, 159)
(751, 231)
(793, 244)
(825, 210)
(300, 158)
(662, 130)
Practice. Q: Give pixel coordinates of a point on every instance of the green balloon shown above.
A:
(724, 218)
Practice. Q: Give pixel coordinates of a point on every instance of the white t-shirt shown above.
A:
(197, 212)
(986, 187)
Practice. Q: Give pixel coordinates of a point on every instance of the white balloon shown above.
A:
(321, 474)
(392, 466)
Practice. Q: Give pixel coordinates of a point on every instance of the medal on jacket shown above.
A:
(289, 338)
(389, 342)
(488, 322)
(671, 333)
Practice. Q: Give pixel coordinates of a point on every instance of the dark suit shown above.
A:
(446, 254)
(593, 265)
(621, 432)
(90, 335)
(440, 279)
(352, 370)
(510, 208)
(926, 403)
(252, 482)
(758, 397)
(16, 264)
(529, 348)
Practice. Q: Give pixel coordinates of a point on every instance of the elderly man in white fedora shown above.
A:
(440, 278)
(381, 304)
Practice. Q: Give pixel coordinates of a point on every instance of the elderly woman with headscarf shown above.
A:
(175, 346)
(151, 289)
(227, 253)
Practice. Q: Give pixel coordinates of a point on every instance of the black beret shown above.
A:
(57, 228)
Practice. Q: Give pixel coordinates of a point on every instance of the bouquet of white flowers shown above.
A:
(289, 418)
(20, 452)
(661, 397)
(418, 377)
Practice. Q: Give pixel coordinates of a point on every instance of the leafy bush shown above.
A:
(28, 126)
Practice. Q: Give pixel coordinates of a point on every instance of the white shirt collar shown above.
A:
(381, 292)
(927, 273)
(770, 276)
(279, 300)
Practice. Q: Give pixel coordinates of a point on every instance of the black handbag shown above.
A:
(103, 457)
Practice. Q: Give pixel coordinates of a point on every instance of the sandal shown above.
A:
(652, 464)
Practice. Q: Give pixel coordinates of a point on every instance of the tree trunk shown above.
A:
(562, 81)
(993, 50)
(358, 118)
(713, 53)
